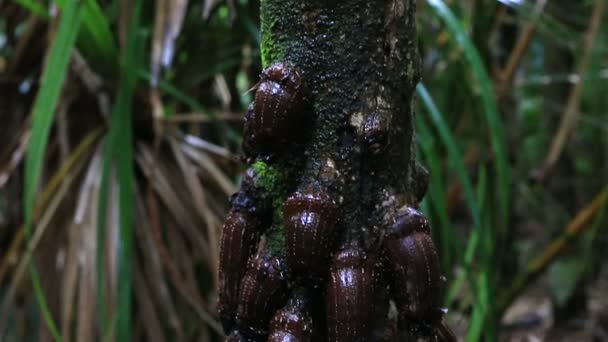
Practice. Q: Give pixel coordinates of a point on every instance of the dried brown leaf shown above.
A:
(167, 25)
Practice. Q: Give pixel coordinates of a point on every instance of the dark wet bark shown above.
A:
(360, 63)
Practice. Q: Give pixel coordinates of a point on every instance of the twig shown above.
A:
(62, 123)
(32, 24)
(48, 194)
(571, 113)
(202, 117)
(35, 239)
(521, 47)
(92, 82)
(18, 152)
(537, 266)
(189, 294)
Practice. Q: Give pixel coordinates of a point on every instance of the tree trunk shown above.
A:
(340, 184)
(360, 63)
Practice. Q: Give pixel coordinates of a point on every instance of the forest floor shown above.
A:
(532, 317)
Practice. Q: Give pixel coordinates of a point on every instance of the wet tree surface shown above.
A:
(360, 64)
(332, 182)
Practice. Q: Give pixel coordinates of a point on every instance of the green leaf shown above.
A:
(42, 118)
(437, 192)
(122, 122)
(457, 162)
(490, 109)
(119, 151)
(454, 154)
(35, 7)
(96, 38)
(482, 323)
(101, 227)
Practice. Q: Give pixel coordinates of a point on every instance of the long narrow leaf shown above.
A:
(96, 38)
(122, 121)
(482, 323)
(42, 114)
(497, 133)
(101, 227)
(437, 191)
(451, 145)
(457, 162)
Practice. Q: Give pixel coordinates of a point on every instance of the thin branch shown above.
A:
(538, 265)
(521, 47)
(572, 113)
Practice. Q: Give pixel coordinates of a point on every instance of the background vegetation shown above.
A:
(119, 138)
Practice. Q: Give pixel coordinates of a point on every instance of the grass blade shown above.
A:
(120, 147)
(42, 119)
(491, 231)
(96, 39)
(436, 192)
(457, 162)
(451, 145)
(497, 134)
(482, 322)
(101, 228)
